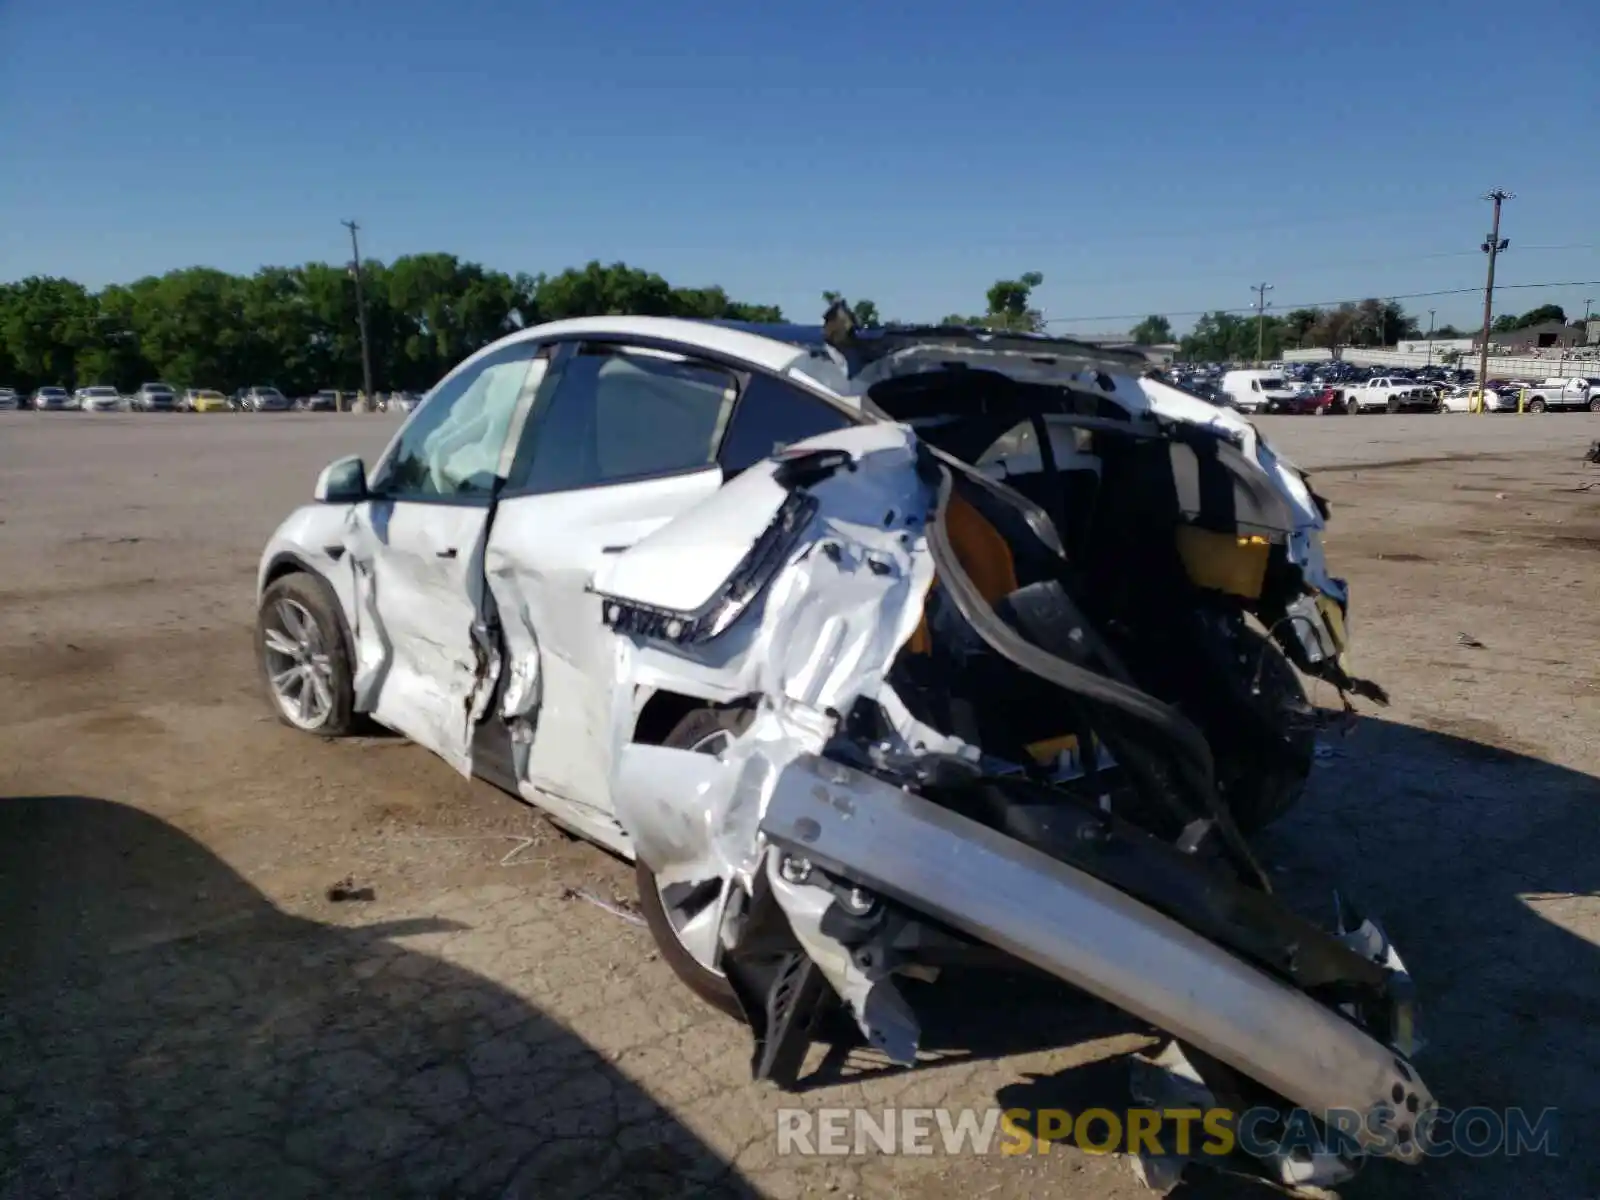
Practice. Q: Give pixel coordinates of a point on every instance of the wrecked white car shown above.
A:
(878, 651)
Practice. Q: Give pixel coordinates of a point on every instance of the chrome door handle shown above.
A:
(450, 553)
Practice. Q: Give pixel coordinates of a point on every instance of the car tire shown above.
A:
(302, 609)
(696, 729)
(1262, 788)
(1352, 407)
(1536, 406)
(1393, 406)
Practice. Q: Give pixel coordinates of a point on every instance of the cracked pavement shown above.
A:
(184, 1012)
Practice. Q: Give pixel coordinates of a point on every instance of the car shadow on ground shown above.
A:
(166, 1031)
(1475, 859)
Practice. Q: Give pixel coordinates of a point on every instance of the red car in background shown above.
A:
(1311, 404)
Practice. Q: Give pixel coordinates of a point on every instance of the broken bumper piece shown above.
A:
(1088, 934)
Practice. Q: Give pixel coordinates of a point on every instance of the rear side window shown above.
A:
(771, 415)
(619, 413)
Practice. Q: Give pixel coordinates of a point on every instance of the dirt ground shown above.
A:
(184, 1011)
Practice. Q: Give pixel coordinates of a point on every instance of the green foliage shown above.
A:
(1534, 316)
(295, 327)
(1008, 307)
(1152, 331)
(1230, 337)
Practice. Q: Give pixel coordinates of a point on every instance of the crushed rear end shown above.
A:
(1016, 668)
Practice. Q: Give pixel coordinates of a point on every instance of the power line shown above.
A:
(1250, 308)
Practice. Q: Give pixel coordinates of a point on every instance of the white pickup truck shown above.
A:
(1386, 394)
(1560, 392)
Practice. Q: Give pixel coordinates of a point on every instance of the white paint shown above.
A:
(418, 575)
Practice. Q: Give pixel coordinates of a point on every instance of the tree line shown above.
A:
(296, 328)
(1373, 323)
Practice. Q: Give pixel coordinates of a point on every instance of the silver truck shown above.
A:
(1576, 393)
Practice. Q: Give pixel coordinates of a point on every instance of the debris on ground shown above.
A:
(346, 891)
(1594, 453)
(1466, 639)
(615, 909)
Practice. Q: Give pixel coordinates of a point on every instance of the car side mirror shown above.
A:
(343, 481)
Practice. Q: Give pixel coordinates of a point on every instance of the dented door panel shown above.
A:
(560, 659)
(422, 667)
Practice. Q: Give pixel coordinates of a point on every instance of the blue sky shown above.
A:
(1146, 156)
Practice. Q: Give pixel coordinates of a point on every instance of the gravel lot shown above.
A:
(183, 1011)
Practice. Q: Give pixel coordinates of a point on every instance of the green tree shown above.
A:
(1538, 316)
(296, 327)
(45, 324)
(1008, 309)
(1299, 323)
(1152, 331)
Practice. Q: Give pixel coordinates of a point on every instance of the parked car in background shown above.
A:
(1310, 402)
(1558, 393)
(155, 397)
(1387, 393)
(401, 402)
(326, 400)
(1462, 399)
(101, 399)
(202, 400)
(52, 399)
(262, 399)
(9, 400)
(1256, 391)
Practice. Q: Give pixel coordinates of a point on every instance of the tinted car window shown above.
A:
(453, 446)
(772, 414)
(617, 414)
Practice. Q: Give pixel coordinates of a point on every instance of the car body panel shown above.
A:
(418, 594)
(541, 562)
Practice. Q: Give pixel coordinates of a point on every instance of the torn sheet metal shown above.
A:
(425, 663)
(822, 633)
(1095, 937)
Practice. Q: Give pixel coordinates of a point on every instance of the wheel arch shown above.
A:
(288, 562)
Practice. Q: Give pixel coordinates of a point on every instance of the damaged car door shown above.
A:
(625, 438)
(425, 663)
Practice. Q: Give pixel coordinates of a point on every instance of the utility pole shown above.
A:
(1430, 337)
(1493, 246)
(361, 310)
(1261, 290)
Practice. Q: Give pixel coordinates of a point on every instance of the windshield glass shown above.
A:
(270, 393)
(1273, 383)
(52, 391)
(100, 391)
